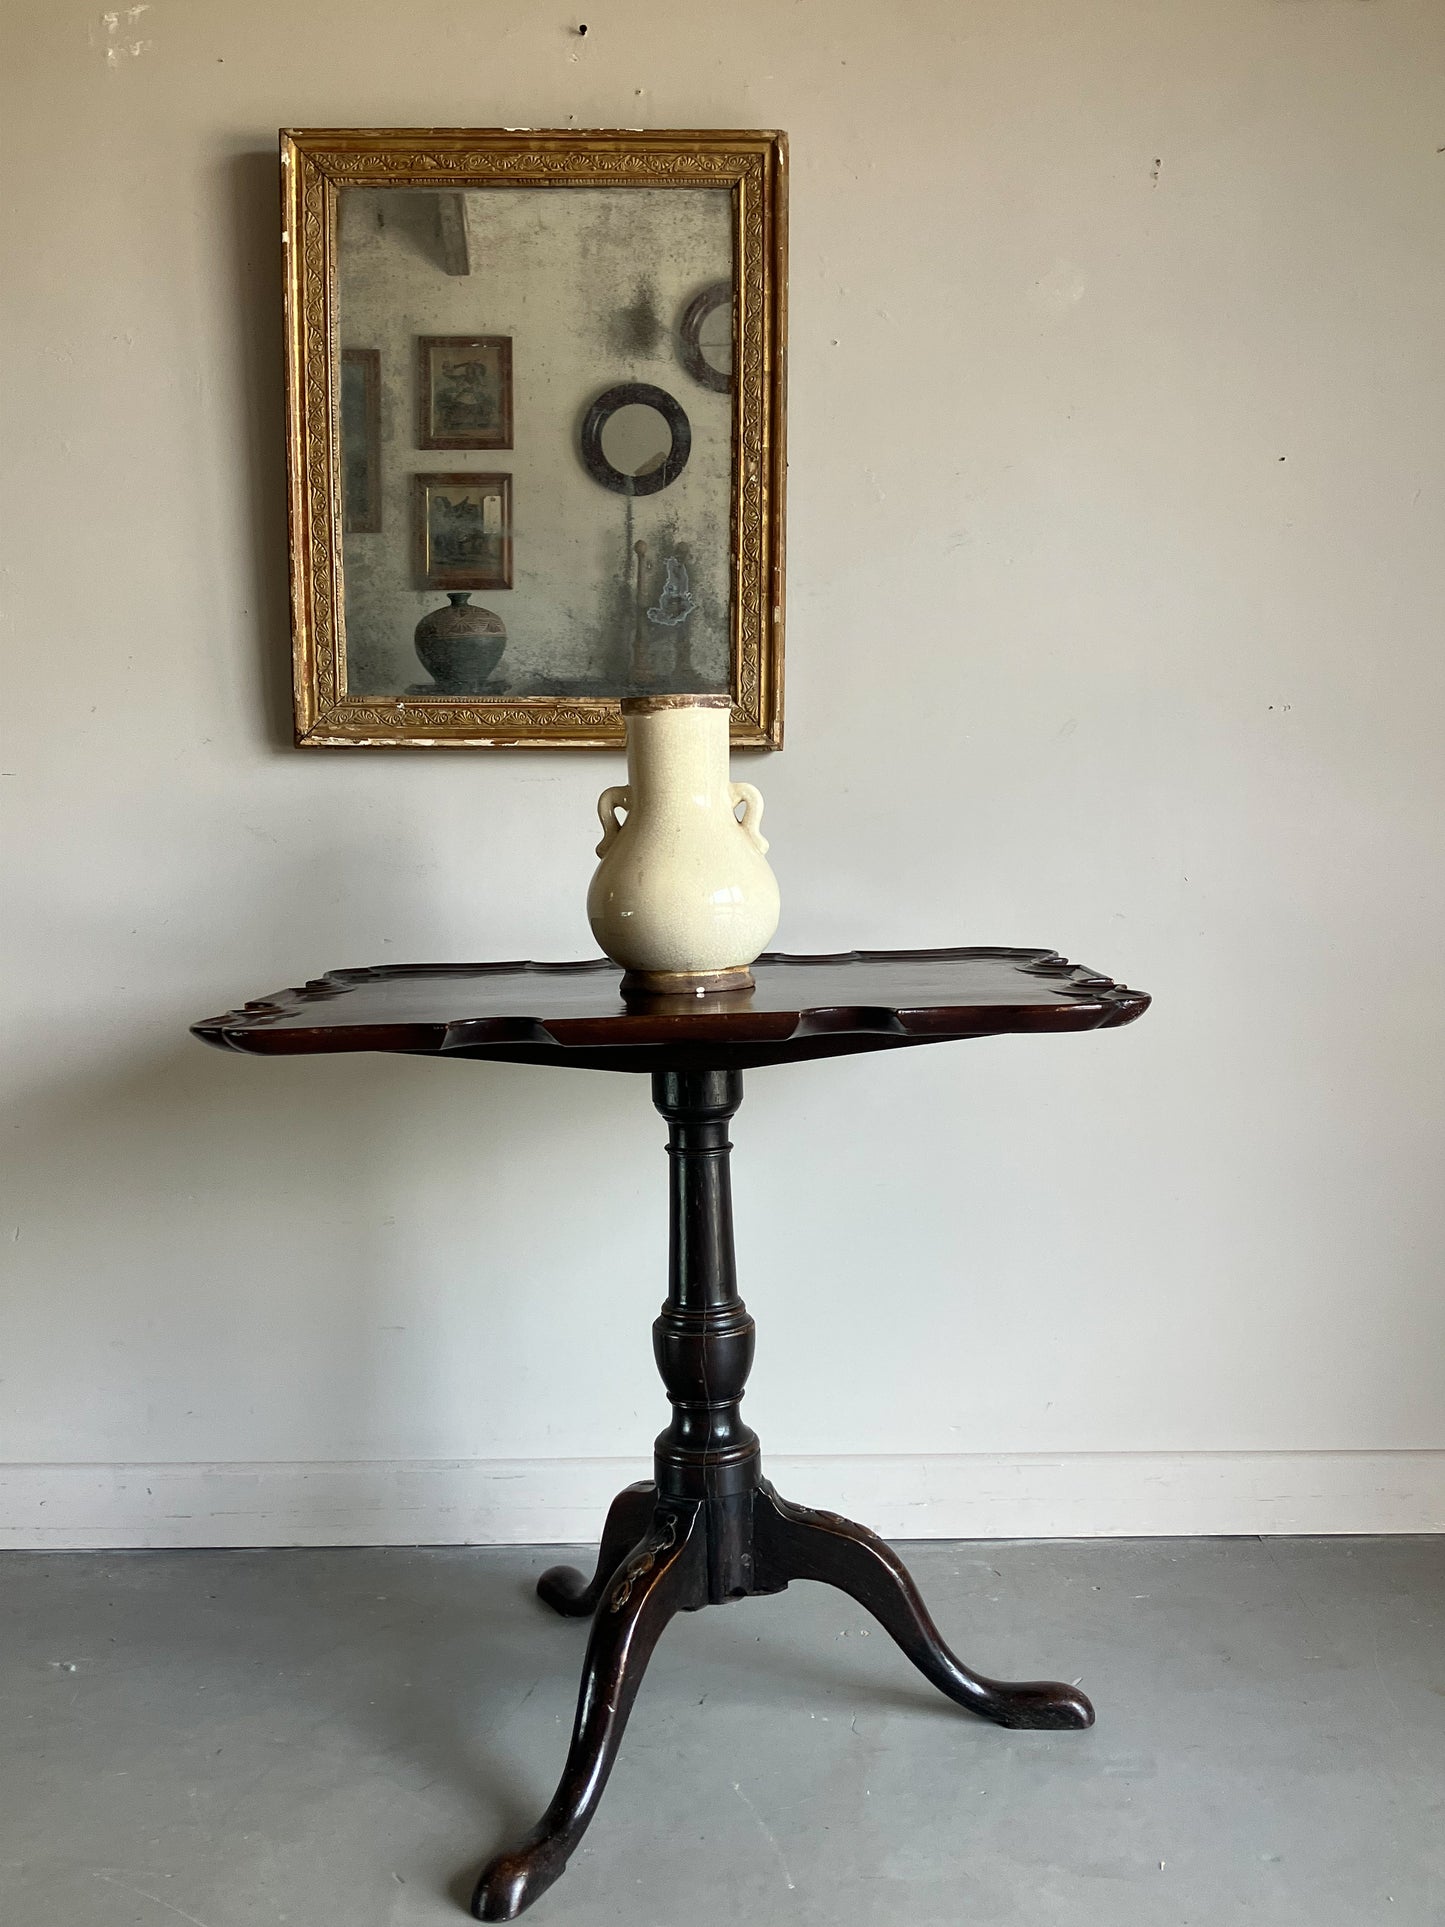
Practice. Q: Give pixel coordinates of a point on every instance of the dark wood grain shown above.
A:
(795, 1542)
(573, 1013)
(565, 1589)
(658, 1579)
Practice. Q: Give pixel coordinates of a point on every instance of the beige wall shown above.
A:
(1115, 585)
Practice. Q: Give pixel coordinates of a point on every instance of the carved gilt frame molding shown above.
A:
(315, 164)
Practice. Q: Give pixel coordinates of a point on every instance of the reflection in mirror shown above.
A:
(636, 439)
(715, 342)
(477, 330)
(705, 337)
(649, 431)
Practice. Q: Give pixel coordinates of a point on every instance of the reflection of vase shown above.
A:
(683, 898)
(460, 646)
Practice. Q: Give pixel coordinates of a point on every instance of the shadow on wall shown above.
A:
(251, 195)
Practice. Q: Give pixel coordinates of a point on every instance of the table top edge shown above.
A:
(1091, 1001)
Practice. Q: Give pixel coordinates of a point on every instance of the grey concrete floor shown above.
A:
(230, 1738)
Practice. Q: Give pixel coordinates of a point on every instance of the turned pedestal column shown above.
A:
(710, 1528)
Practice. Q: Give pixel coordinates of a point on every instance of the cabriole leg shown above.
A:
(794, 1542)
(565, 1590)
(662, 1574)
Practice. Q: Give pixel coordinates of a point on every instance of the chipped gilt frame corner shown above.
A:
(314, 164)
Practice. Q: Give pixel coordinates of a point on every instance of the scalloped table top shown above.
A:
(573, 1013)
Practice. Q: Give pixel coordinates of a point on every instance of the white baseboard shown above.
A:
(561, 1501)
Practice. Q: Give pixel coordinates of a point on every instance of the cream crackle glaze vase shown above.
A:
(683, 898)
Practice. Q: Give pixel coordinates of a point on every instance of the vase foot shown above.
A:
(640, 984)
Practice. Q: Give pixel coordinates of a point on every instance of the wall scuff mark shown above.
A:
(118, 29)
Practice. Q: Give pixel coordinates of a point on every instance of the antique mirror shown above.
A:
(535, 431)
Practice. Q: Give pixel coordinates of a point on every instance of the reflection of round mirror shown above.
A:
(635, 439)
(715, 342)
(705, 337)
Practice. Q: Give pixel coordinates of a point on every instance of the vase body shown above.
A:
(683, 897)
(461, 645)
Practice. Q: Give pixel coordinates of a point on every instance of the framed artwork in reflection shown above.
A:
(464, 391)
(361, 440)
(462, 531)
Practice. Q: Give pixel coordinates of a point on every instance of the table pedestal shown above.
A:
(709, 1527)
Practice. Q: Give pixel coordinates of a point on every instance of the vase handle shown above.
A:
(751, 819)
(608, 804)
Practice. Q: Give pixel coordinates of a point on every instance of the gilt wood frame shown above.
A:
(315, 164)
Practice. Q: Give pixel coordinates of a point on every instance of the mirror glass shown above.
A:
(476, 329)
(715, 338)
(636, 439)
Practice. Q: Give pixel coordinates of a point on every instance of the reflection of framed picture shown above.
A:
(361, 441)
(464, 391)
(462, 528)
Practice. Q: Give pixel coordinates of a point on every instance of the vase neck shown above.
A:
(678, 751)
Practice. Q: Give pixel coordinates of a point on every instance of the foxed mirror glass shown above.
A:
(535, 388)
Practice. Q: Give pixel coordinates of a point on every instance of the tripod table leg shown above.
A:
(664, 1572)
(565, 1590)
(794, 1542)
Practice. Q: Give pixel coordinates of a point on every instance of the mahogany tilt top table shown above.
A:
(708, 1527)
